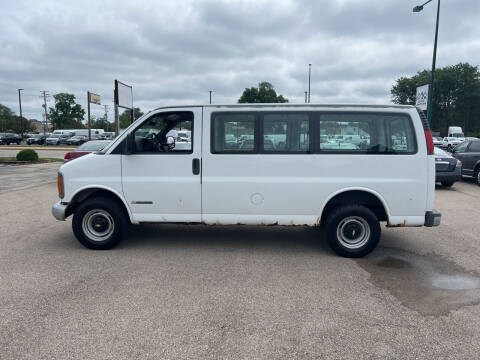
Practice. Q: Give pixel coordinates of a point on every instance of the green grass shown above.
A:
(40, 160)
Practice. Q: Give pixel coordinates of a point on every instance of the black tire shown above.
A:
(354, 218)
(477, 176)
(100, 212)
(447, 183)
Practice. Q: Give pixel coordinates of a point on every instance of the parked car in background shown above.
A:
(77, 140)
(10, 138)
(109, 135)
(448, 169)
(37, 139)
(57, 139)
(450, 142)
(456, 132)
(468, 153)
(86, 148)
(437, 141)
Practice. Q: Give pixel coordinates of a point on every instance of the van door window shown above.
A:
(233, 133)
(284, 132)
(159, 134)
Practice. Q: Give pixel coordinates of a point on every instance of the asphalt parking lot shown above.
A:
(195, 292)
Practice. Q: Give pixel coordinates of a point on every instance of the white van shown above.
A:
(226, 175)
(456, 132)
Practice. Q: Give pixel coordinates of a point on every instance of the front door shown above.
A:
(161, 178)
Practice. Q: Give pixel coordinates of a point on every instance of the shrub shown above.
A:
(27, 155)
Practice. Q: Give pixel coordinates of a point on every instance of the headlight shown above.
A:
(459, 163)
(60, 185)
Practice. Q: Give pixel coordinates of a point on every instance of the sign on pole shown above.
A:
(422, 97)
(95, 99)
(123, 97)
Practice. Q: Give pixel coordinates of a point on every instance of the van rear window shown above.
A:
(366, 133)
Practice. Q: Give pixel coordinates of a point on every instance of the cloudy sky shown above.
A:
(173, 52)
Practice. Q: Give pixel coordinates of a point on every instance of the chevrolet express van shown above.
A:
(342, 167)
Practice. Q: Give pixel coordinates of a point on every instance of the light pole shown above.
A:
(306, 97)
(432, 80)
(21, 118)
(309, 76)
(210, 91)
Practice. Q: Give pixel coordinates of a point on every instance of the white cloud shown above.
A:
(174, 52)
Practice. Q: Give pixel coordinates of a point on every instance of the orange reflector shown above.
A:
(60, 185)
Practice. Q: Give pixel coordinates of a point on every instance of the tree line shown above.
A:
(456, 102)
(456, 98)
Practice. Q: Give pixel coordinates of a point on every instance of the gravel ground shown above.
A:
(237, 292)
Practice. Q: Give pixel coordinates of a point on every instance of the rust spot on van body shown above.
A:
(398, 225)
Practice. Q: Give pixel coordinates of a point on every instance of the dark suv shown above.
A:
(37, 139)
(9, 138)
(468, 153)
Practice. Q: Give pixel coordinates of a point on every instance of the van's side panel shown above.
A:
(293, 188)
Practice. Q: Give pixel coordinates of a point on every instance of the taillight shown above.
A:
(60, 185)
(429, 141)
(67, 157)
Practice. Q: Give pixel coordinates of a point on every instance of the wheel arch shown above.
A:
(87, 192)
(356, 195)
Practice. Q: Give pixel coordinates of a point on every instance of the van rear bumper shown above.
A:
(432, 218)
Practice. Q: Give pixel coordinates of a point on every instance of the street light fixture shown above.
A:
(419, 8)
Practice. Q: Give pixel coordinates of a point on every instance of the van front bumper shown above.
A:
(432, 218)
(59, 211)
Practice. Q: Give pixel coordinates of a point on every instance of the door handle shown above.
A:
(196, 166)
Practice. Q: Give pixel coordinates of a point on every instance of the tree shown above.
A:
(9, 122)
(265, 93)
(456, 99)
(66, 114)
(101, 123)
(125, 117)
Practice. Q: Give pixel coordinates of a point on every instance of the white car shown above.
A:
(449, 143)
(438, 141)
(143, 176)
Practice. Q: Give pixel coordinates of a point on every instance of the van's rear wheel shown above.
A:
(99, 223)
(352, 230)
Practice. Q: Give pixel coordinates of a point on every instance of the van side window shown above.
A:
(349, 133)
(159, 134)
(233, 133)
(402, 136)
(284, 132)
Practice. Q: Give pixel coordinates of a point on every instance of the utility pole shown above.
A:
(210, 91)
(46, 116)
(106, 112)
(88, 114)
(309, 76)
(21, 117)
(306, 96)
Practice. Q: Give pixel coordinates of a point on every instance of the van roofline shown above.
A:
(333, 106)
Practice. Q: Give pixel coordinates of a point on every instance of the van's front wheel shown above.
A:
(99, 223)
(352, 230)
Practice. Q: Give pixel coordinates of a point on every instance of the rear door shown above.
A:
(472, 156)
(161, 181)
(461, 154)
